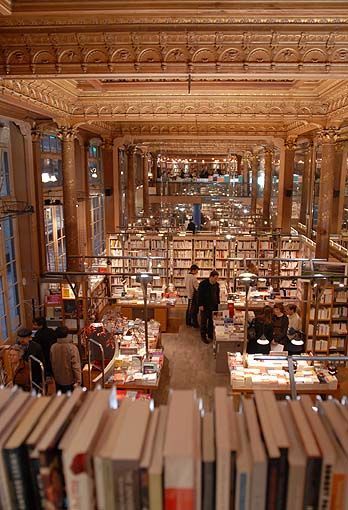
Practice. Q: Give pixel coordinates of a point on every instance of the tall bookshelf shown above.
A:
(182, 257)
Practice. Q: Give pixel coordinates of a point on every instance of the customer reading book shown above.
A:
(191, 284)
(208, 302)
(263, 326)
(20, 368)
(280, 324)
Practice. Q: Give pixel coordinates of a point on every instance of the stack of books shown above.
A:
(84, 452)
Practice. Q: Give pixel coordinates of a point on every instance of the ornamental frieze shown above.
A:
(105, 53)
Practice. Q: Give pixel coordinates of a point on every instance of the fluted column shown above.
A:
(338, 190)
(145, 163)
(267, 187)
(130, 185)
(39, 204)
(306, 174)
(327, 138)
(67, 134)
(286, 186)
(255, 168)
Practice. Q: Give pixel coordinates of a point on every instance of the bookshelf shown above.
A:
(180, 261)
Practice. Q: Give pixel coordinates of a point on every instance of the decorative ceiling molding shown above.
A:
(5, 7)
(115, 53)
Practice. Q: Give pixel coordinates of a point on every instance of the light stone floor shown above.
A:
(189, 364)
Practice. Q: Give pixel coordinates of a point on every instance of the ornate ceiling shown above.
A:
(156, 71)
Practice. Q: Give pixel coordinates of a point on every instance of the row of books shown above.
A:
(87, 451)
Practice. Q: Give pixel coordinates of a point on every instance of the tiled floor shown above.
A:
(189, 363)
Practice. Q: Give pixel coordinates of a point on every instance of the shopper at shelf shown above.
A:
(280, 324)
(31, 348)
(208, 302)
(191, 226)
(251, 267)
(262, 324)
(293, 317)
(66, 363)
(191, 284)
(20, 368)
(45, 337)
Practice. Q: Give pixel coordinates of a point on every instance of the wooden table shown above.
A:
(157, 311)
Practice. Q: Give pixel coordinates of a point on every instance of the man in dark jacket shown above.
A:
(45, 337)
(208, 302)
(31, 348)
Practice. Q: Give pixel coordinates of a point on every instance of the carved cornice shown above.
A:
(111, 52)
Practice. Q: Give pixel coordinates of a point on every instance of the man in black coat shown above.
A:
(208, 302)
(45, 337)
(30, 347)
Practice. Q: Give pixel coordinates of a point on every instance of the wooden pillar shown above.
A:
(311, 189)
(145, 163)
(267, 188)
(130, 185)
(255, 167)
(88, 214)
(39, 205)
(338, 190)
(306, 174)
(108, 169)
(117, 198)
(327, 138)
(67, 134)
(286, 187)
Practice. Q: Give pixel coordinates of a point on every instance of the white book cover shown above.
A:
(244, 466)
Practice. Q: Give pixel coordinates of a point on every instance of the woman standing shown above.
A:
(280, 324)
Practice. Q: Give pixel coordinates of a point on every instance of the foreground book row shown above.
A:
(84, 451)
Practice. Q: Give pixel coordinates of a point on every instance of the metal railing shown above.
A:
(34, 385)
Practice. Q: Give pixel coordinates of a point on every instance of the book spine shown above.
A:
(36, 481)
(241, 492)
(179, 499)
(338, 498)
(127, 489)
(144, 489)
(311, 492)
(14, 463)
(272, 484)
(282, 480)
(208, 486)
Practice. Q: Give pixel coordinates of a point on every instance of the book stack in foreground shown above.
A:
(81, 452)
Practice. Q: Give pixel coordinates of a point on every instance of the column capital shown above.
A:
(130, 150)
(107, 144)
(290, 143)
(328, 135)
(36, 134)
(67, 133)
(340, 145)
(268, 151)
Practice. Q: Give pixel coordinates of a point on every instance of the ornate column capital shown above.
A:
(328, 135)
(107, 144)
(36, 134)
(290, 144)
(268, 151)
(67, 133)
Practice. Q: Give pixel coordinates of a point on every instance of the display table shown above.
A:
(135, 310)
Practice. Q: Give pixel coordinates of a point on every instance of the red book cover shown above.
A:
(179, 499)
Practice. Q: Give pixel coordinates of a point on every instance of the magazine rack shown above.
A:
(33, 385)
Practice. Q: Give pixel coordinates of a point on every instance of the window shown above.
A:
(98, 224)
(5, 189)
(55, 238)
(51, 161)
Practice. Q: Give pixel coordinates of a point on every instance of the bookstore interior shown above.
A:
(173, 175)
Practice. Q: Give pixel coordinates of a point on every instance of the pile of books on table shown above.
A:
(274, 374)
(85, 451)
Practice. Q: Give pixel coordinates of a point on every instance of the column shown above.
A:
(108, 169)
(338, 190)
(119, 211)
(39, 205)
(311, 188)
(267, 188)
(130, 185)
(67, 134)
(245, 163)
(286, 186)
(254, 170)
(145, 163)
(327, 138)
(306, 173)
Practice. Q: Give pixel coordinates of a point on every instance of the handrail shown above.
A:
(33, 384)
(99, 345)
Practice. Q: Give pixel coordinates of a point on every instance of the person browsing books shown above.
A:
(280, 324)
(262, 325)
(293, 317)
(20, 368)
(191, 284)
(208, 302)
(31, 348)
(66, 363)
